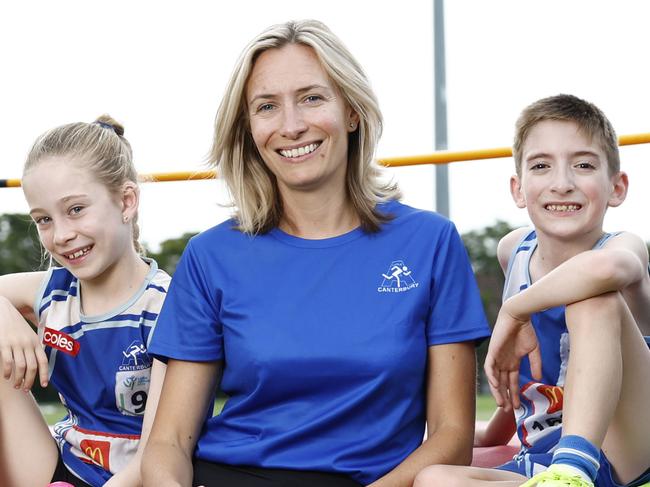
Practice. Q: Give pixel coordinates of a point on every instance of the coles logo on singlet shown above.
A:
(61, 341)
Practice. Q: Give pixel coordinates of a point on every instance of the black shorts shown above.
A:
(218, 474)
(62, 474)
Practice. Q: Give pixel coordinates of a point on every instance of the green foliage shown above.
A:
(481, 246)
(170, 252)
(20, 249)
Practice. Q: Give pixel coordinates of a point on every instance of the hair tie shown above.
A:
(105, 125)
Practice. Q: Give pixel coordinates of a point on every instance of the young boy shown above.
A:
(567, 354)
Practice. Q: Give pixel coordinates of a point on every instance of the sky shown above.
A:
(160, 68)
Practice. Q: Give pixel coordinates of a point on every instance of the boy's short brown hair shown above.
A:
(590, 119)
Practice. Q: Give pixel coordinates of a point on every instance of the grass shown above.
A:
(485, 405)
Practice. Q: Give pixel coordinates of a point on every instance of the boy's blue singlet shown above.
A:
(101, 368)
(323, 342)
(539, 419)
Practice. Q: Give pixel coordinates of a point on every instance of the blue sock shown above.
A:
(576, 452)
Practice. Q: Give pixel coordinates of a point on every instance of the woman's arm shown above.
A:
(182, 409)
(130, 476)
(451, 402)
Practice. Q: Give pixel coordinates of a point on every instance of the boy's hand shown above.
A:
(512, 339)
(21, 354)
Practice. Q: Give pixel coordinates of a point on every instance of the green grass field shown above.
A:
(484, 407)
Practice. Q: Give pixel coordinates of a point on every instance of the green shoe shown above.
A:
(557, 476)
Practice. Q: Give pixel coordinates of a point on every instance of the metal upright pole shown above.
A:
(440, 99)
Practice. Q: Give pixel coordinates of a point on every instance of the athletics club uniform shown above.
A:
(323, 342)
(539, 419)
(101, 368)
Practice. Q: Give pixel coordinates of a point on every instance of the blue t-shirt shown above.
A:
(324, 342)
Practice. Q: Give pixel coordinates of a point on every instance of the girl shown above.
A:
(94, 313)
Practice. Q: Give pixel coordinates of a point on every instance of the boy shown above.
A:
(586, 418)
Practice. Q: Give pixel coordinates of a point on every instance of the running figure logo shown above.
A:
(397, 278)
(135, 356)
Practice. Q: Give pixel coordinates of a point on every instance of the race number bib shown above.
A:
(131, 391)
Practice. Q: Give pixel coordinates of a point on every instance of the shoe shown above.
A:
(557, 476)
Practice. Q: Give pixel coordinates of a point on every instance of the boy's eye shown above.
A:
(538, 165)
(585, 165)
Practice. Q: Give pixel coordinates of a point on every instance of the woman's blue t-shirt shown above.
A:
(323, 342)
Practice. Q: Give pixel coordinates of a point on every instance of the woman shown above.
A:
(337, 320)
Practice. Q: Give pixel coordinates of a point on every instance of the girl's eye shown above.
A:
(42, 220)
(75, 210)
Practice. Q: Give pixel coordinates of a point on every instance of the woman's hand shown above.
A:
(512, 339)
(21, 353)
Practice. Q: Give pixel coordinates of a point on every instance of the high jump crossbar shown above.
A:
(440, 157)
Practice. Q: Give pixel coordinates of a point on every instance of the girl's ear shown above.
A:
(129, 199)
(620, 184)
(516, 192)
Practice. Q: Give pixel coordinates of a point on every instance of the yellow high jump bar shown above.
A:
(442, 157)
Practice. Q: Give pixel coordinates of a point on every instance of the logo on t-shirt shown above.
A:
(61, 341)
(135, 357)
(398, 278)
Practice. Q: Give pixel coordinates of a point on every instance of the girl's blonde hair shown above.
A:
(252, 186)
(99, 145)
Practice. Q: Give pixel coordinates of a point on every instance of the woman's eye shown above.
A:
(266, 107)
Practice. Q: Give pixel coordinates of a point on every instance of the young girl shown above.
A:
(94, 314)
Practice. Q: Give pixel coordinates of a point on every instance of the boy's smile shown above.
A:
(565, 182)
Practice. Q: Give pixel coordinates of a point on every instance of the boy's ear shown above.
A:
(129, 199)
(515, 191)
(619, 189)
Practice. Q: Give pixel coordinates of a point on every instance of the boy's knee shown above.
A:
(437, 476)
(609, 306)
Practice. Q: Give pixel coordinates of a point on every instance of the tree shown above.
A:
(481, 246)
(170, 252)
(20, 249)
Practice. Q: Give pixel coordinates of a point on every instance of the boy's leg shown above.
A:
(28, 453)
(456, 476)
(607, 389)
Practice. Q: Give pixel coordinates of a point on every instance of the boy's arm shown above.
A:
(622, 262)
(21, 353)
(498, 431)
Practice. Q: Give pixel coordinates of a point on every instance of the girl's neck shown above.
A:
(114, 286)
(318, 216)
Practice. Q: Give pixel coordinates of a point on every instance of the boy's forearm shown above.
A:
(588, 274)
